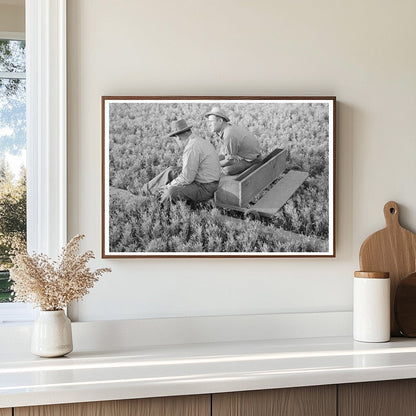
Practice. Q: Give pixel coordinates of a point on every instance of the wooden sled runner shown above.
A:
(238, 191)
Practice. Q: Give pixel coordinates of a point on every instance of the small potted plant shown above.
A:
(52, 286)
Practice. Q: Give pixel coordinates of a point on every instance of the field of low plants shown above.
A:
(139, 150)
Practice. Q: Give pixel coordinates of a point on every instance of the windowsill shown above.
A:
(16, 313)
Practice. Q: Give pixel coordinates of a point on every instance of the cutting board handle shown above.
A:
(391, 214)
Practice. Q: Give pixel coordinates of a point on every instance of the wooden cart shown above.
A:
(237, 192)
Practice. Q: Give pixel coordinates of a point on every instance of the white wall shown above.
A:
(363, 52)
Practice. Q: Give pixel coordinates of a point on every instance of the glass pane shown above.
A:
(12, 175)
(12, 116)
(12, 56)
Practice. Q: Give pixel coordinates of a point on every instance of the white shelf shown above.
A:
(151, 371)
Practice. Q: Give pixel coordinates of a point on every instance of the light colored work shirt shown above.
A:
(200, 163)
(239, 143)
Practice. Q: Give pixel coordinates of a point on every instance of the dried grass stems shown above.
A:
(53, 285)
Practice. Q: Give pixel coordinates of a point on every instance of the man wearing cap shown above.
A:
(240, 149)
(200, 174)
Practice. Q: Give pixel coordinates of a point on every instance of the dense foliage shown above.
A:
(12, 223)
(139, 150)
(12, 213)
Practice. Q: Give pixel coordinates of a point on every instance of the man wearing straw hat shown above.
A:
(241, 149)
(200, 174)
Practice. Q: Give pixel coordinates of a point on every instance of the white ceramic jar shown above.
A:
(371, 309)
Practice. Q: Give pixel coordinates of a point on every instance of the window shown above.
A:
(12, 166)
(12, 153)
(46, 135)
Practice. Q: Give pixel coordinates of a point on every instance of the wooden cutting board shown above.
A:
(393, 250)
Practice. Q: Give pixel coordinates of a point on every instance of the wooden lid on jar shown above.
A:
(372, 275)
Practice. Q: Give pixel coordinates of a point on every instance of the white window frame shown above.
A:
(46, 133)
(46, 125)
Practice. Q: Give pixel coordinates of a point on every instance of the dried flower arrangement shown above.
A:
(53, 285)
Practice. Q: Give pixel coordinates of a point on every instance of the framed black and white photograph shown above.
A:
(218, 176)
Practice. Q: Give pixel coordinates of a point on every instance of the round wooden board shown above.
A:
(405, 306)
(393, 250)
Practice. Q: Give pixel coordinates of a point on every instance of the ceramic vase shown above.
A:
(52, 334)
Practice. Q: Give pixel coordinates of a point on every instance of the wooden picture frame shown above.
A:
(283, 205)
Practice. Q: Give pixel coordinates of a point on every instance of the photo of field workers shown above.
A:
(218, 177)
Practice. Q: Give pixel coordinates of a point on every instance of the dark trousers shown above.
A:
(195, 191)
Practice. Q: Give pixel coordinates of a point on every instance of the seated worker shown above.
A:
(240, 148)
(200, 174)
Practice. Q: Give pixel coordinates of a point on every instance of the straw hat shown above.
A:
(178, 127)
(216, 111)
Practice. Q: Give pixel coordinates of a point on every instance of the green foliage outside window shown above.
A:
(12, 145)
(12, 223)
